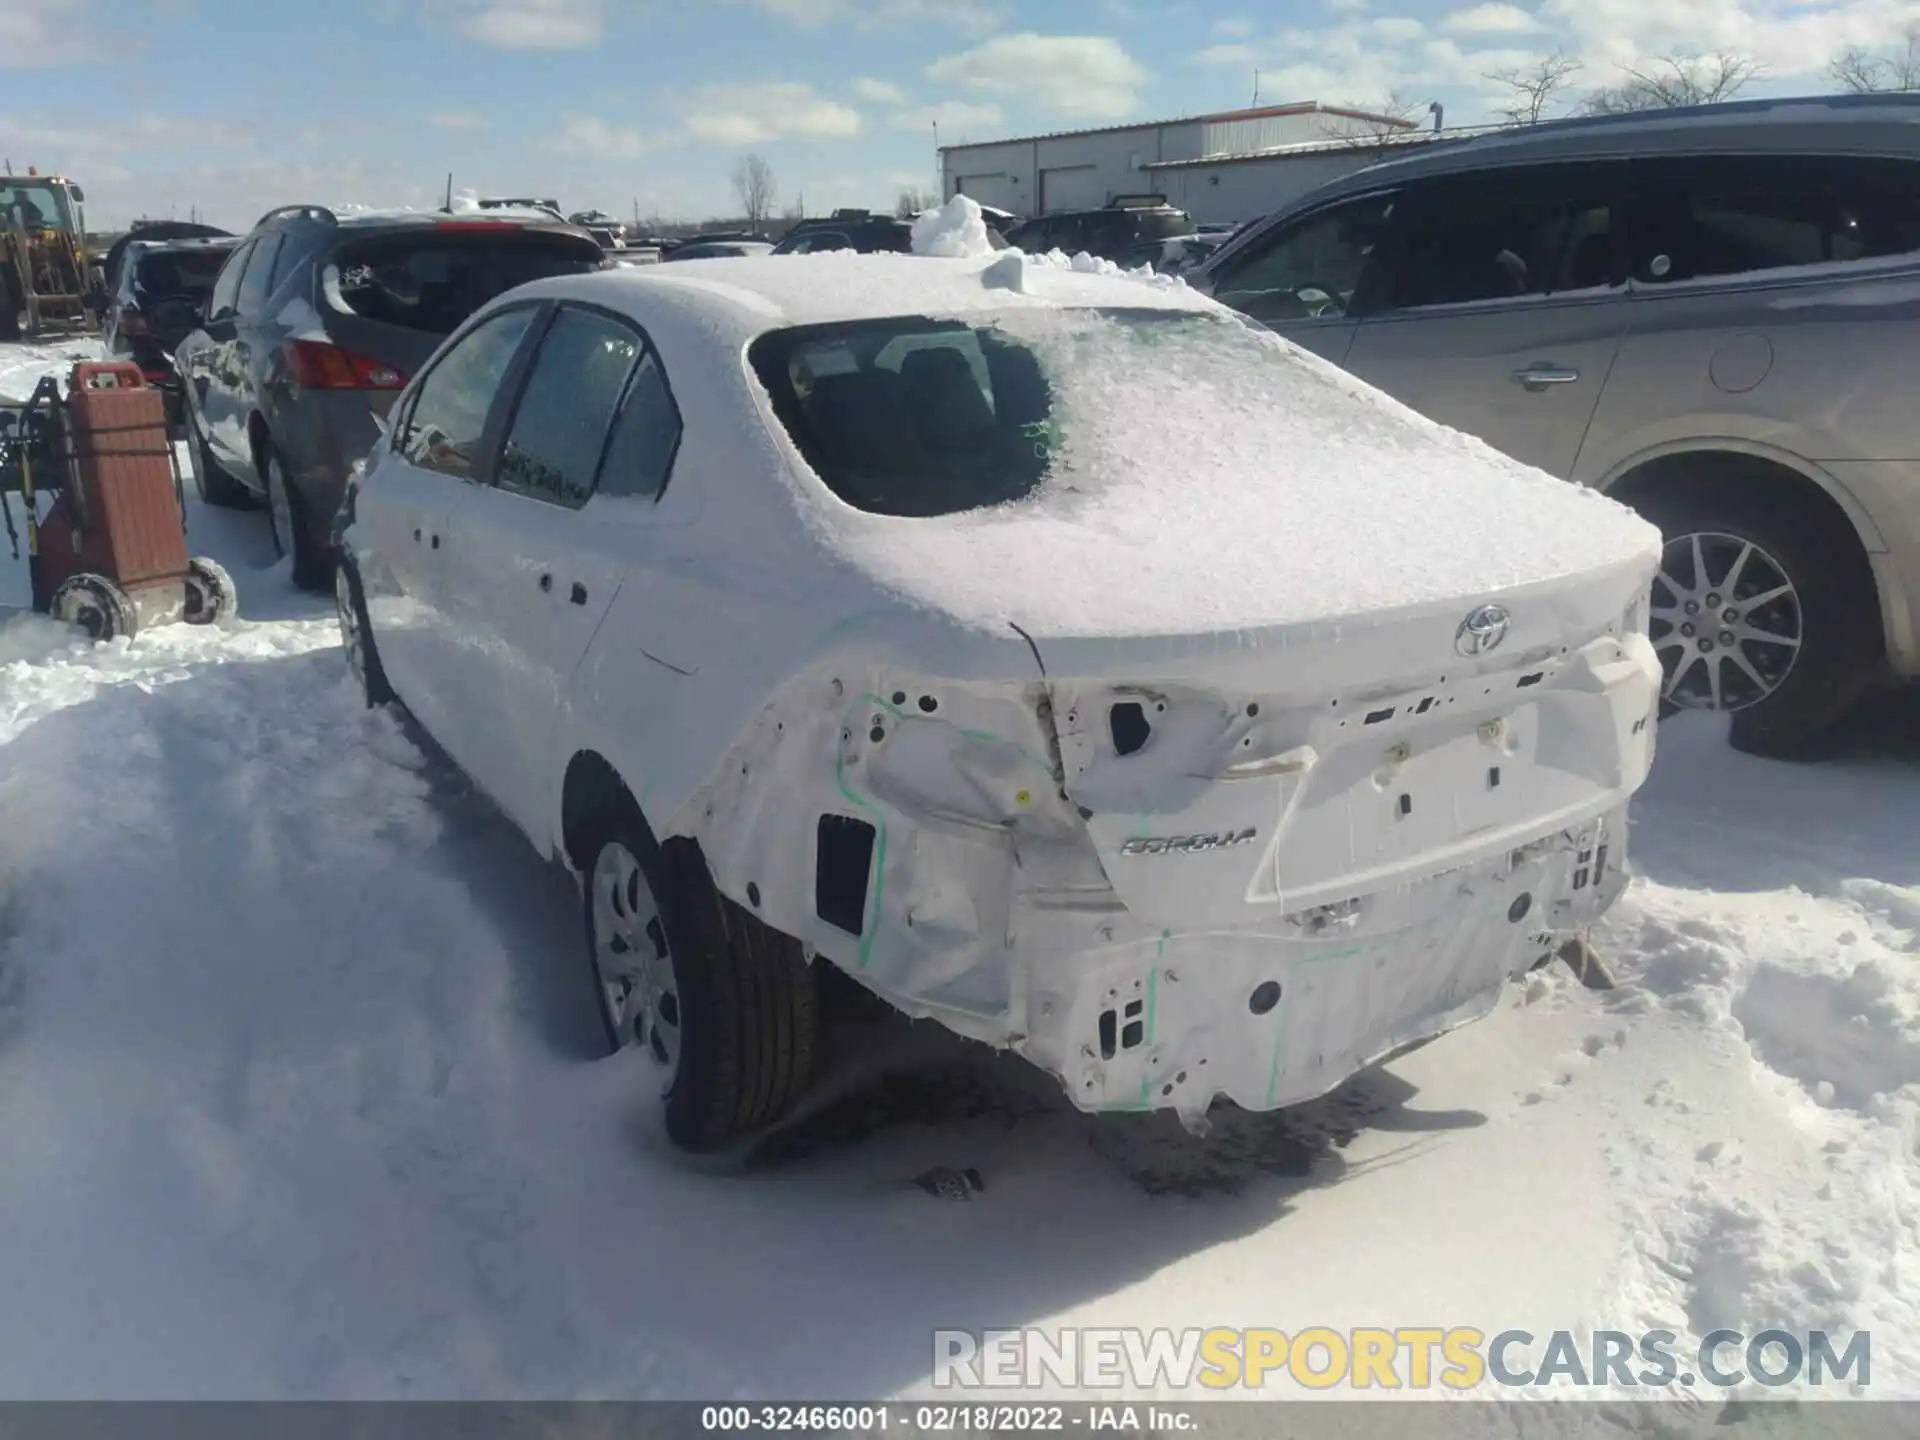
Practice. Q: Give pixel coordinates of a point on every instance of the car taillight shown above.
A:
(320, 365)
(132, 322)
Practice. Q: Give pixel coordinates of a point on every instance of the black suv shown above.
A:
(160, 300)
(312, 328)
(860, 230)
(1108, 233)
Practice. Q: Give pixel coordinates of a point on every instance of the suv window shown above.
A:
(1732, 215)
(910, 417)
(1314, 266)
(559, 428)
(1495, 235)
(645, 437)
(227, 286)
(820, 240)
(253, 288)
(163, 274)
(448, 419)
(432, 281)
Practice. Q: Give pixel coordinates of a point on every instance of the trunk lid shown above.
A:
(1230, 779)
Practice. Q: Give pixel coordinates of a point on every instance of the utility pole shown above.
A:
(1256, 89)
(939, 170)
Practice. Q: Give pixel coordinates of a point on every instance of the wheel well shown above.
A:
(592, 788)
(1755, 481)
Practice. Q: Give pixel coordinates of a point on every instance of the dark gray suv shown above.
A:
(1708, 313)
(314, 326)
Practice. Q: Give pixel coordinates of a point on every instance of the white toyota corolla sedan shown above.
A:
(1053, 653)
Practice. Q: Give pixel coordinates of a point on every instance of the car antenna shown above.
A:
(448, 207)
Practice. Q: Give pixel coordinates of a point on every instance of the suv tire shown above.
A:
(1764, 540)
(741, 1000)
(292, 526)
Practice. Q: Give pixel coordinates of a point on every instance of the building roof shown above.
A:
(1263, 112)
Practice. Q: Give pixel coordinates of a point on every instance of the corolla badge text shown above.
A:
(1482, 630)
(1186, 844)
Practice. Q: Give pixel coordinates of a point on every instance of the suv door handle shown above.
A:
(1538, 377)
(579, 596)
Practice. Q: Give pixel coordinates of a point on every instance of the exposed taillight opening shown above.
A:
(132, 322)
(321, 365)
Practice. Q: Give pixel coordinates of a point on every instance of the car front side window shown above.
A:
(560, 427)
(447, 421)
(1311, 268)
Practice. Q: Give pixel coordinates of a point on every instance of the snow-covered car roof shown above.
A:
(756, 293)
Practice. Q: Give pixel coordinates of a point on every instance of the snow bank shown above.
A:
(954, 231)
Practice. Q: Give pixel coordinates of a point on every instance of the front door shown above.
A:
(1309, 279)
(206, 363)
(536, 558)
(1499, 309)
(439, 451)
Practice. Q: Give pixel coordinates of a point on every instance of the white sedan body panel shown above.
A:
(1311, 837)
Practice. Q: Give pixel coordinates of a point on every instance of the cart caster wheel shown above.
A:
(96, 605)
(211, 597)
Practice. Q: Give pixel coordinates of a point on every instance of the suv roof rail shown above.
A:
(316, 212)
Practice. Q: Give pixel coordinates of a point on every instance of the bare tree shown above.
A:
(1675, 80)
(1392, 117)
(796, 210)
(1873, 72)
(753, 182)
(1534, 86)
(912, 201)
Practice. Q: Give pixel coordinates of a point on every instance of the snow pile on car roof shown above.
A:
(954, 231)
(1207, 475)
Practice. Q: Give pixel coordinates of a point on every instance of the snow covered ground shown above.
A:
(294, 1098)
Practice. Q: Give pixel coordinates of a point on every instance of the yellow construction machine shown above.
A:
(48, 284)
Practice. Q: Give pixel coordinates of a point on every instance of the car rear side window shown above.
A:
(1710, 216)
(646, 436)
(560, 426)
(911, 417)
(447, 423)
(253, 288)
(1498, 235)
(432, 281)
(227, 286)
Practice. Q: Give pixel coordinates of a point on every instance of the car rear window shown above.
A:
(178, 272)
(911, 417)
(433, 281)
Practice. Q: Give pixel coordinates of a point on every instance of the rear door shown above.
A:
(1309, 279)
(535, 559)
(203, 360)
(440, 449)
(1500, 310)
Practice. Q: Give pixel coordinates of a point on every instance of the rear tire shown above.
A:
(746, 1004)
(292, 527)
(1785, 668)
(215, 486)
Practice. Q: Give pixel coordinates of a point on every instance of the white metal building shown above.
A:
(1226, 167)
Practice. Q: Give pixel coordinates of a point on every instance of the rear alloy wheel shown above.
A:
(1763, 610)
(725, 1008)
(287, 519)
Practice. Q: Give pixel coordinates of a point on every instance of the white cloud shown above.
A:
(880, 92)
(457, 121)
(750, 114)
(534, 24)
(1235, 29)
(1492, 20)
(1087, 77)
(590, 136)
(44, 34)
(1396, 29)
(956, 118)
(967, 16)
(1238, 56)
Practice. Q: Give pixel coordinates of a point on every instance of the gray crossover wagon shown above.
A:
(1709, 313)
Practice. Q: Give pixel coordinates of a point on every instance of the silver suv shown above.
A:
(1705, 312)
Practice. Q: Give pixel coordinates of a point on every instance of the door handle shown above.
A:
(1538, 377)
(579, 595)
(546, 582)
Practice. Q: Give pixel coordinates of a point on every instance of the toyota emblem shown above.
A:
(1482, 630)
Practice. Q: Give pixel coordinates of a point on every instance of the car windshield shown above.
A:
(434, 281)
(167, 273)
(922, 417)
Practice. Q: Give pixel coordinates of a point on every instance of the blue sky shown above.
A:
(231, 107)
